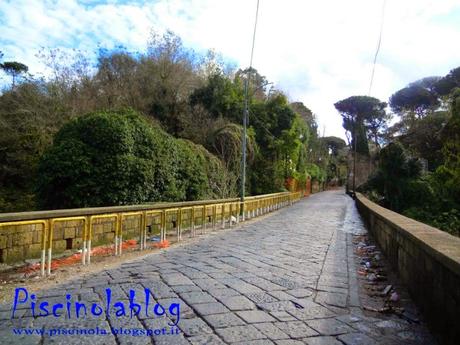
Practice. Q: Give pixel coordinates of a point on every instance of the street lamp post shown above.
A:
(354, 159)
(243, 159)
(245, 115)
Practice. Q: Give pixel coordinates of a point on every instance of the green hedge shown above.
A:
(117, 158)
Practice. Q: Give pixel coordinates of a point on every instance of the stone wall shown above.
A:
(23, 242)
(428, 262)
(365, 166)
(20, 242)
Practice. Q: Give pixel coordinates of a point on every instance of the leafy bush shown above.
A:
(221, 183)
(315, 172)
(397, 184)
(448, 221)
(117, 158)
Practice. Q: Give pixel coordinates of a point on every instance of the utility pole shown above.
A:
(245, 115)
(245, 121)
(354, 159)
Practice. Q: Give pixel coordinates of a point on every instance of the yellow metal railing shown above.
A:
(172, 219)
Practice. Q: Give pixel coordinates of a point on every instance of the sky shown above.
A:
(317, 52)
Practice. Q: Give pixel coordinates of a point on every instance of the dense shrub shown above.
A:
(117, 158)
(221, 183)
(398, 185)
(451, 149)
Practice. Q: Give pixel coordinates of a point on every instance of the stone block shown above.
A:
(69, 233)
(97, 229)
(3, 241)
(240, 333)
(108, 227)
(33, 251)
(59, 245)
(37, 236)
(109, 237)
(15, 254)
(18, 239)
(58, 233)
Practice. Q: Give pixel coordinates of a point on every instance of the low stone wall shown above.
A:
(19, 242)
(24, 235)
(365, 166)
(428, 262)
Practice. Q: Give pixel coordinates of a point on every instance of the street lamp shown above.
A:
(243, 159)
(245, 114)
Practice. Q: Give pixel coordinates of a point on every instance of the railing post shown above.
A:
(88, 224)
(203, 220)
(163, 226)
(84, 244)
(145, 230)
(192, 221)
(237, 212)
(117, 232)
(141, 231)
(179, 223)
(120, 236)
(50, 245)
(46, 225)
(223, 216)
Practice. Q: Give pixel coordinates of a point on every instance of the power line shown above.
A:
(378, 47)
(254, 34)
(260, 122)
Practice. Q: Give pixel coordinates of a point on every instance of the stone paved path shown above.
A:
(288, 278)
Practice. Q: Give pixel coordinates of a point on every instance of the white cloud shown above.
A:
(318, 51)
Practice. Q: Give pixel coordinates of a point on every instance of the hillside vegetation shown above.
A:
(159, 125)
(418, 157)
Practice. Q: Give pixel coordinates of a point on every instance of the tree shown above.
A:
(376, 124)
(414, 101)
(117, 78)
(29, 117)
(447, 84)
(396, 168)
(14, 69)
(220, 97)
(169, 77)
(451, 149)
(307, 115)
(257, 83)
(190, 97)
(424, 139)
(428, 83)
(333, 144)
(359, 114)
(225, 141)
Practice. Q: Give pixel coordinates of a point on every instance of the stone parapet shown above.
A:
(428, 262)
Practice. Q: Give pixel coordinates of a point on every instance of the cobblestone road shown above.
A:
(289, 278)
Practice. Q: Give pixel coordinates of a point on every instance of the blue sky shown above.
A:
(318, 52)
